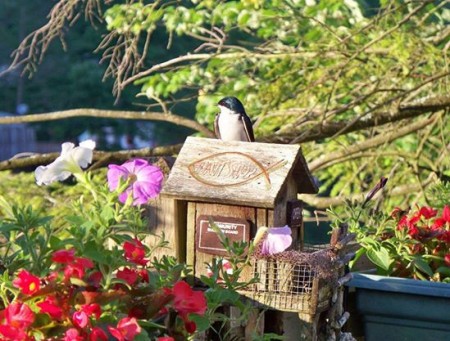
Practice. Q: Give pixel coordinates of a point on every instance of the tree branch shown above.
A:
(100, 158)
(326, 160)
(131, 115)
(328, 129)
(326, 202)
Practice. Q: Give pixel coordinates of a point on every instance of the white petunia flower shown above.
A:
(71, 160)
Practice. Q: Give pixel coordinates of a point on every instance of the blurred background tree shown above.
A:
(362, 85)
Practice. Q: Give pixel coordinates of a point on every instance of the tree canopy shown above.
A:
(362, 85)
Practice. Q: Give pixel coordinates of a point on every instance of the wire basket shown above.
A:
(288, 285)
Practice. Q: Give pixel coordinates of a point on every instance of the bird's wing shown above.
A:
(216, 127)
(248, 126)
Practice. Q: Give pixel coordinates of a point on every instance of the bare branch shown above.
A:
(326, 202)
(100, 158)
(131, 115)
(378, 140)
(299, 134)
(32, 49)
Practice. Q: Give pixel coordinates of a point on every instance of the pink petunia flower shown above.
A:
(145, 180)
(80, 319)
(72, 334)
(277, 240)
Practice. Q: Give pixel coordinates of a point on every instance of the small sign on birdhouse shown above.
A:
(207, 240)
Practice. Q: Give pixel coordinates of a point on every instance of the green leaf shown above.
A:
(222, 295)
(423, 266)
(379, 257)
(202, 322)
(445, 270)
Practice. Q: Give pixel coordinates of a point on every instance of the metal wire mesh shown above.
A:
(288, 285)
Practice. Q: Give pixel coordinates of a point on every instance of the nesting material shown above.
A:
(293, 280)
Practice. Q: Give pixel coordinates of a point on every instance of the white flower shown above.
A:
(71, 160)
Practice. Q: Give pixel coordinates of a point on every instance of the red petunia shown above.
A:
(447, 259)
(165, 338)
(128, 275)
(188, 301)
(19, 315)
(92, 309)
(444, 219)
(12, 334)
(98, 334)
(190, 326)
(427, 212)
(64, 256)
(27, 282)
(126, 330)
(52, 307)
(143, 274)
(135, 252)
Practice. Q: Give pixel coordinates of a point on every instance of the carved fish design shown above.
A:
(231, 169)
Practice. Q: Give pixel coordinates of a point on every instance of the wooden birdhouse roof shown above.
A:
(236, 173)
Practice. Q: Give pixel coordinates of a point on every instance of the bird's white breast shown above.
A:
(231, 126)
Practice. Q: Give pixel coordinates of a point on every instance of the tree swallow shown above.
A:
(232, 123)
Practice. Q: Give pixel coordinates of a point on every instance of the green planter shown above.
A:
(402, 309)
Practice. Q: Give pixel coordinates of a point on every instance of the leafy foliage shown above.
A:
(352, 80)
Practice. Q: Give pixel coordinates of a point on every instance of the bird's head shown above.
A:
(232, 104)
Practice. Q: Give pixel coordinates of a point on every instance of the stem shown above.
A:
(32, 251)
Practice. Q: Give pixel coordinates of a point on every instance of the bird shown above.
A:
(232, 123)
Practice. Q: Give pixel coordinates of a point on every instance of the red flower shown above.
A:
(80, 319)
(19, 315)
(190, 326)
(443, 219)
(402, 223)
(143, 274)
(92, 309)
(85, 263)
(27, 282)
(427, 212)
(95, 278)
(73, 271)
(51, 306)
(188, 301)
(165, 338)
(98, 334)
(126, 330)
(135, 252)
(447, 259)
(128, 275)
(13, 334)
(64, 256)
(137, 312)
(77, 268)
(72, 334)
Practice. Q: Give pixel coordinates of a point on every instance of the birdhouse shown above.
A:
(240, 186)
